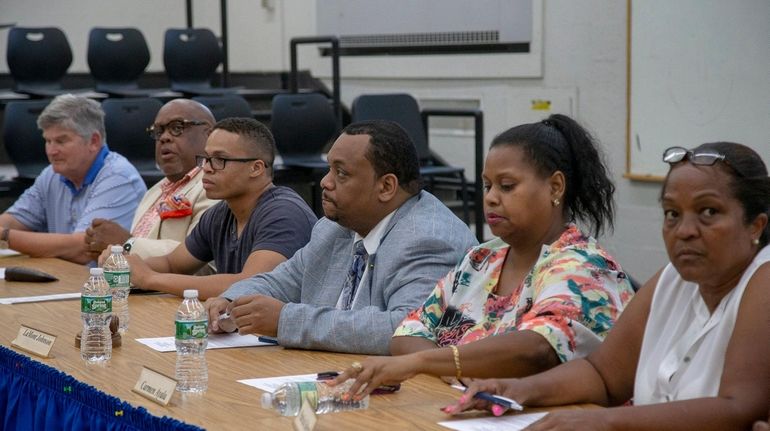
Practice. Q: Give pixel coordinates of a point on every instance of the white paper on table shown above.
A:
(41, 298)
(7, 252)
(270, 384)
(509, 423)
(216, 341)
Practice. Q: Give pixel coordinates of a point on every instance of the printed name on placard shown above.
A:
(34, 341)
(155, 386)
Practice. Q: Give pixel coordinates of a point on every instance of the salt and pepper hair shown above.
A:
(77, 113)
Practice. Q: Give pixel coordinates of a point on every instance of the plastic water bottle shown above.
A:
(192, 329)
(288, 398)
(96, 312)
(118, 273)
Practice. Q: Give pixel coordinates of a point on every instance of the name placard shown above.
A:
(306, 419)
(155, 386)
(34, 341)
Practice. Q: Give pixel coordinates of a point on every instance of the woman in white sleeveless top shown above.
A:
(692, 349)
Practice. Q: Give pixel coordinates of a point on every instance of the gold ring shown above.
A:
(357, 366)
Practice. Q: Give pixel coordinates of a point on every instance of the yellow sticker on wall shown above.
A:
(541, 105)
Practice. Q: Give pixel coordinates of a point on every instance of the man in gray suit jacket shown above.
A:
(327, 297)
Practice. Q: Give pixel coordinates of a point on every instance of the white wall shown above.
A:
(583, 73)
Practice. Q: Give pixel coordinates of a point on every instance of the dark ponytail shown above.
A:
(559, 143)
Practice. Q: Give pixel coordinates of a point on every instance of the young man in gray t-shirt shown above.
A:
(255, 227)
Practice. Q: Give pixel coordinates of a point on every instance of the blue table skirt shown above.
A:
(34, 396)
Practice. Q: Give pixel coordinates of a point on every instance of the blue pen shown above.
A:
(494, 399)
(269, 340)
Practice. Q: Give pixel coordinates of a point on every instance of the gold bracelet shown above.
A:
(458, 369)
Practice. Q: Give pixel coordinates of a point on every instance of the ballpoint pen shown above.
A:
(269, 340)
(494, 399)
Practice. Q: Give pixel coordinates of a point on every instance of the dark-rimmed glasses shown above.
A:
(218, 163)
(675, 155)
(175, 127)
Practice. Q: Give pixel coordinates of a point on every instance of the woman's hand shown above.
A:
(376, 371)
(509, 388)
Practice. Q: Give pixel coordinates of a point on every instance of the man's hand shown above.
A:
(215, 307)
(140, 271)
(257, 314)
(102, 233)
(102, 256)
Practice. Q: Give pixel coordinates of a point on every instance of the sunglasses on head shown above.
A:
(675, 155)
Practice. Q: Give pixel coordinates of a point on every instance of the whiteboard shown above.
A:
(699, 71)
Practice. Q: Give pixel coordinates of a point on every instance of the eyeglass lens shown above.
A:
(174, 127)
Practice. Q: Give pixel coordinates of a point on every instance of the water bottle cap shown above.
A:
(116, 249)
(267, 400)
(97, 271)
(191, 293)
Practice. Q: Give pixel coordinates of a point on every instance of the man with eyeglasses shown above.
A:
(84, 181)
(172, 207)
(254, 227)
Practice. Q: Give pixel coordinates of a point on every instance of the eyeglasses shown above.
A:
(218, 163)
(175, 127)
(675, 155)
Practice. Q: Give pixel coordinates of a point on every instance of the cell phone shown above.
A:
(386, 389)
(327, 375)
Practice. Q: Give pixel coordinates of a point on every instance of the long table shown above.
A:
(227, 404)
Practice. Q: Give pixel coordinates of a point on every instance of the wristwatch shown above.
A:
(4, 239)
(128, 244)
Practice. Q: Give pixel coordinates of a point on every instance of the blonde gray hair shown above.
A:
(77, 113)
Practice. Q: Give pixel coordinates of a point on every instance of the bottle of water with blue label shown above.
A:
(192, 329)
(96, 312)
(118, 273)
(287, 400)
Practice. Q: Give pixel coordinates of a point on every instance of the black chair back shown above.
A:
(24, 142)
(303, 124)
(226, 106)
(191, 56)
(117, 57)
(38, 58)
(400, 108)
(126, 122)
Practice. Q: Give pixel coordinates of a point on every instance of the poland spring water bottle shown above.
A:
(96, 311)
(117, 273)
(287, 399)
(192, 330)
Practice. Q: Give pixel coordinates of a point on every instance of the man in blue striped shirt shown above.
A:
(85, 180)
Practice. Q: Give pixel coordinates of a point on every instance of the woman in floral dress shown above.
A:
(542, 292)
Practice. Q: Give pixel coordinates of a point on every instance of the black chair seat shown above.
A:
(24, 142)
(303, 125)
(226, 106)
(403, 109)
(191, 57)
(126, 121)
(38, 59)
(117, 57)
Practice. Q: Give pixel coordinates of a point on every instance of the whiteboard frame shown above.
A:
(712, 82)
(628, 174)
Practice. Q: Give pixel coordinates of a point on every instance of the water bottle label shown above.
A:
(189, 330)
(308, 391)
(117, 279)
(96, 304)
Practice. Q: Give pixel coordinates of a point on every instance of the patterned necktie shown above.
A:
(354, 275)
